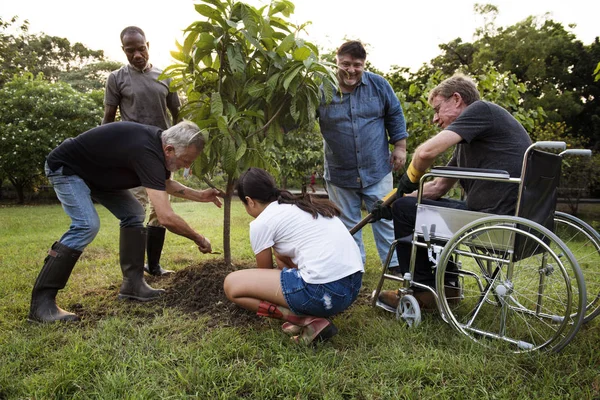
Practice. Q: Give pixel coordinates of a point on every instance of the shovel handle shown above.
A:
(387, 200)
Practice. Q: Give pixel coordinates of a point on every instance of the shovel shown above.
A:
(387, 200)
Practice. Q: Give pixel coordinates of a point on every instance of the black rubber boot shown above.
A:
(132, 245)
(53, 277)
(154, 246)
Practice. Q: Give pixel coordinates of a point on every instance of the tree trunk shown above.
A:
(20, 188)
(227, 222)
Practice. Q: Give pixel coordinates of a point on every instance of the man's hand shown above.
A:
(204, 245)
(212, 195)
(398, 158)
(406, 186)
(380, 211)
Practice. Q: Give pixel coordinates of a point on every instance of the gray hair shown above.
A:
(458, 83)
(182, 136)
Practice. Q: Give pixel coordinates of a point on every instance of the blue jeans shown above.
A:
(350, 202)
(76, 198)
(319, 300)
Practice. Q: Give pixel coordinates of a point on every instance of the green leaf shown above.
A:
(178, 55)
(286, 44)
(235, 58)
(301, 53)
(208, 11)
(256, 90)
(216, 104)
(240, 151)
(290, 75)
(228, 154)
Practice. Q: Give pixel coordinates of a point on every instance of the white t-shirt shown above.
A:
(322, 248)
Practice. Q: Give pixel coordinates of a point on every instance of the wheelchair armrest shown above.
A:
(456, 172)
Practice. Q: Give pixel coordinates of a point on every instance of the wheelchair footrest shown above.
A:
(385, 306)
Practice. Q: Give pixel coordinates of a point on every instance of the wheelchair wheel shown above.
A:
(520, 286)
(584, 243)
(409, 311)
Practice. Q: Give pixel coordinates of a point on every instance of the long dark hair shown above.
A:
(259, 185)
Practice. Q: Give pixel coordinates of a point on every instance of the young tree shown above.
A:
(37, 116)
(247, 77)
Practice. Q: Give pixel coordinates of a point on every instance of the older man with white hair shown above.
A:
(102, 164)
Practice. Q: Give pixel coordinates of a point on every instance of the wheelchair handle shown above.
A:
(550, 145)
(577, 152)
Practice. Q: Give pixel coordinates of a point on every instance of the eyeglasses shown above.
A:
(436, 109)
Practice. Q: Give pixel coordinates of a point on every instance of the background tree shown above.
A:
(247, 76)
(303, 153)
(36, 116)
(542, 54)
(55, 57)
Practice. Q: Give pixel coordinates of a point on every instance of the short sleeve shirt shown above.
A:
(492, 139)
(140, 96)
(322, 248)
(115, 156)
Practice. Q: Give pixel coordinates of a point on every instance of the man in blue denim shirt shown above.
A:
(358, 126)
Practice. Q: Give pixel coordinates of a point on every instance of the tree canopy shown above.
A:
(36, 116)
(556, 68)
(55, 57)
(248, 78)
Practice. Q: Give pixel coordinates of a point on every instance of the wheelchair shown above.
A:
(507, 282)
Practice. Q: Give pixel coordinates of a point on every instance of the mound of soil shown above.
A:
(198, 290)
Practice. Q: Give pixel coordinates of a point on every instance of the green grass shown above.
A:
(144, 351)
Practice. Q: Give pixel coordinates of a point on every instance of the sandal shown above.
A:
(322, 329)
(291, 329)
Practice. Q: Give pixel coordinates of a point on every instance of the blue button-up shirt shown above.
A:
(355, 128)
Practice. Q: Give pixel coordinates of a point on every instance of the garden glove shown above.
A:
(380, 211)
(409, 182)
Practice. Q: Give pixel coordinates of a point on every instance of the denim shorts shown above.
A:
(319, 300)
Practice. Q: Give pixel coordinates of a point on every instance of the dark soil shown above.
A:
(198, 290)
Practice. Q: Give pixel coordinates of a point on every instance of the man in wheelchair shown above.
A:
(486, 137)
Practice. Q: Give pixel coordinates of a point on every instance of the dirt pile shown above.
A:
(198, 289)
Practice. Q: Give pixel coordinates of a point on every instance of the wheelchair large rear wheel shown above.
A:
(520, 287)
(584, 243)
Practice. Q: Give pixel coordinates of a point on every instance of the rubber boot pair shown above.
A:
(307, 329)
(60, 262)
(132, 246)
(154, 246)
(53, 277)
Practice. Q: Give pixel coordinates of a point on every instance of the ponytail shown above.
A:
(259, 185)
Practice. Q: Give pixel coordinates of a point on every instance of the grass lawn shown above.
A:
(157, 350)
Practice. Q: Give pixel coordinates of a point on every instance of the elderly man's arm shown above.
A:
(205, 196)
(427, 152)
(173, 222)
(423, 158)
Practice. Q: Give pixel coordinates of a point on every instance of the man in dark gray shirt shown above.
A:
(486, 136)
(141, 97)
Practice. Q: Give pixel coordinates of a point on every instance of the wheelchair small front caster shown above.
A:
(409, 311)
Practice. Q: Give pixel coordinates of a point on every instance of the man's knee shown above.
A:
(404, 211)
(85, 233)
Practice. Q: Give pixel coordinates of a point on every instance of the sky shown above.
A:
(396, 32)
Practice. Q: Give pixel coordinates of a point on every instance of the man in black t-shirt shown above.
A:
(486, 136)
(102, 164)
